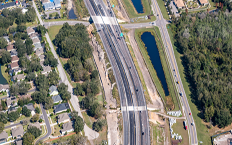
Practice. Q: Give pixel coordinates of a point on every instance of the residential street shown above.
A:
(91, 134)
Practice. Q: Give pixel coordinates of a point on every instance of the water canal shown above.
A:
(2, 79)
(150, 43)
(71, 14)
(138, 5)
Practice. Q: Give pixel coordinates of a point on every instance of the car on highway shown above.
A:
(180, 93)
(173, 69)
(189, 113)
(192, 124)
(177, 82)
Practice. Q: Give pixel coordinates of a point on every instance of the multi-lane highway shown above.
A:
(133, 105)
(161, 23)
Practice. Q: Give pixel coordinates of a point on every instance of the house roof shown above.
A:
(6, 5)
(33, 35)
(203, 1)
(17, 131)
(19, 142)
(10, 100)
(10, 47)
(46, 69)
(16, 70)
(41, 57)
(3, 135)
(62, 117)
(14, 64)
(37, 45)
(4, 87)
(19, 77)
(13, 52)
(67, 126)
(56, 98)
(45, 1)
(14, 58)
(30, 106)
(52, 88)
(25, 96)
(61, 107)
(30, 30)
(36, 40)
(57, 2)
(34, 124)
(179, 3)
(39, 51)
(11, 109)
(48, 5)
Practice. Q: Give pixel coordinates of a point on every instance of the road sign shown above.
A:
(112, 6)
(121, 34)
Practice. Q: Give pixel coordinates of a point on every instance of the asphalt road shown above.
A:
(49, 131)
(129, 85)
(12, 125)
(161, 23)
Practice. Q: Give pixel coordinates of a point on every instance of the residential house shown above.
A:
(14, 59)
(179, 4)
(11, 101)
(53, 90)
(7, 39)
(61, 107)
(37, 46)
(13, 52)
(46, 70)
(14, 65)
(45, 1)
(35, 41)
(203, 2)
(19, 142)
(62, 118)
(42, 57)
(56, 99)
(30, 106)
(10, 5)
(35, 125)
(25, 96)
(17, 132)
(67, 127)
(57, 4)
(10, 47)
(42, 63)
(4, 88)
(33, 36)
(48, 6)
(19, 77)
(30, 31)
(12, 109)
(3, 137)
(39, 51)
(15, 71)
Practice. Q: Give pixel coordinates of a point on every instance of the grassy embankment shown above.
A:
(202, 131)
(80, 10)
(171, 99)
(163, 9)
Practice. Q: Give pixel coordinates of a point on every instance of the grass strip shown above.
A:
(171, 99)
(202, 131)
(163, 9)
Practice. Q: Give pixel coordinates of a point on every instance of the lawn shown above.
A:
(5, 74)
(102, 136)
(163, 9)
(178, 127)
(100, 99)
(172, 99)
(53, 30)
(131, 11)
(54, 119)
(156, 133)
(88, 120)
(56, 131)
(202, 131)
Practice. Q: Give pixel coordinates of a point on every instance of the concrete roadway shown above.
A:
(161, 23)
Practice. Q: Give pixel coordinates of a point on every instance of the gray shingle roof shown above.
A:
(19, 77)
(56, 98)
(30, 106)
(52, 89)
(4, 87)
(48, 5)
(6, 5)
(62, 117)
(36, 40)
(34, 124)
(39, 51)
(30, 31)
(3, 135)
(67, 126)
(61, 107)
(17, 131)
(19, 142)
(37, 46)
(13, 52)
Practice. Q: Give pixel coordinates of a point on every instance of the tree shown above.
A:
(2, 125)
(42, 82)
(26, 111)
(66, 95)
(223, 118)
(30, 14)
(5, 12)
(50, 16)
(3, 103)
(24, 122)
(3, 43)
(62, 88)
(34, 131)
(28, 139)
(79, 124)
(77, 139)
(21, 28)
(41, 30)
(11, 37)
(3, 117)
(57, 15)
(37, 110)
(53, 78)
(78, 90)
(24, 62)
(31, 76)
(96, 110)
(13, 116)
(12, 29)
(94, 74)
(29, 46)
(14, 89)
(23, 101)
(48, 103)
(6, 57)
(23, 88)
(99, 124)
(35, 118)
(39, 96)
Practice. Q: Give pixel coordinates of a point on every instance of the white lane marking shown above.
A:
(134, 108)
(103, 19)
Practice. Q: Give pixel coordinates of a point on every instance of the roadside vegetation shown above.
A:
(171, 101)
(80, 9)
(163, 9)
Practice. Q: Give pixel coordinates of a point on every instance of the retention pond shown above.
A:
(150, 43)
(2, 79)
(138, 5)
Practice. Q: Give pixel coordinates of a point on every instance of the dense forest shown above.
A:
(206, 42)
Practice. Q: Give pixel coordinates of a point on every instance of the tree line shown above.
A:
(205, 41)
